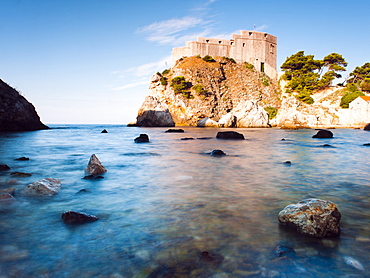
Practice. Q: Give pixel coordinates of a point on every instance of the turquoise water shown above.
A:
(163, 203)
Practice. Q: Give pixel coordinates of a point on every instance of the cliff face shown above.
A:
(220, 93)
(16, 113)
(226, 94)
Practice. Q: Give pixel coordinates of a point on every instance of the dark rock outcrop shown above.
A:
(95, 167)
(6, 197)
(230, 135)
(104, 131)
(367, 126)
(313, 217)
(143, 138)
(23, 158)
(74, 217)
(175, 130)
(16, 113)
(4, 167)
(20, 174)
(217, 153)
(323, 133)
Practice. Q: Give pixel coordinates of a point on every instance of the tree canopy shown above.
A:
(306, 75)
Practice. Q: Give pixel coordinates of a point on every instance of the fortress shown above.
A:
(256, 48)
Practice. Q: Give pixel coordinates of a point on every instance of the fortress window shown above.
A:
(262, 67)
(272, 48)
(265, 35)
(207, 41)
(231, 43)
(219, 42)
(250, 33)
(243, 44)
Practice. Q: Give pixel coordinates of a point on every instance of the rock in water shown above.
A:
(143, 138)
(153, 113)
(16, 113)
(4, 167)
(95, 167)
(314, 217)
(175, 130)
(44, 187)
(367, 126)
(322, 133)
(74, 217)
(230, 135)
(6, 197)
(218, 153)
(104, 131)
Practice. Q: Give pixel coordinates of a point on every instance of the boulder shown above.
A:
(323, 133)
(4, 167)
(154, 113)
(175, 130)
(143, 138)
(313, 217)
(250, 114)
(217, 153)
(92, 177)
(10, 190)
(74, 217)
(44, 187)
(95, 167)
(228, 120)
(16, 113)
(230, 135)
(6, 198)
(207, 122)
(367, 126)
(104, 131)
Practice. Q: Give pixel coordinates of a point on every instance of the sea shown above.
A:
(168, 208)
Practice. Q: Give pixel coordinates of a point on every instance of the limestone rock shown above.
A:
(44, 187)
(143, 138)
(207, 122)
(16, 113)
(250, 114)
(313, 217)
(154, 113)
(73, 217)
(228, 120)
(367, 126)
(95, 167)
(322, 133)
(230, 135)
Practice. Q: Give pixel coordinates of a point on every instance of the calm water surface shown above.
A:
(163, 203)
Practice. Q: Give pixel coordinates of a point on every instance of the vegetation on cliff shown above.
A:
(306, 75)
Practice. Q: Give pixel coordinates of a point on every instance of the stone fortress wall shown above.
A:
(256, 48)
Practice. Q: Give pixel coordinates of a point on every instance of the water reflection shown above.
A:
(162, 205)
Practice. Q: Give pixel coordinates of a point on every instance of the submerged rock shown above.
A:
(74, 217)
(143, 138)
(187, 138)
(4, 167)
(314, 217)
(20, 174)
(44, 187)
(92, 177)
(104, 131)
(206, 257)
(23, 158)
(94, 166)
(283, 250)
(230, 135)
(10, 190)
(174, 130)
(6, 197)
(217, 153)
(323, 133)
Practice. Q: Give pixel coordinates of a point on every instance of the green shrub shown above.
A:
(305, 96)
(166, 71)
(272, 111)
(209, 59)
(348, 97)
(164, 81)
(181, 86)
(229, 59)
(265, 80)
(248, 66)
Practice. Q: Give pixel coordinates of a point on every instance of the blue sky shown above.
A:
(90, 61)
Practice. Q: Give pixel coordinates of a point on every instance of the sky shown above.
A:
(90, 61)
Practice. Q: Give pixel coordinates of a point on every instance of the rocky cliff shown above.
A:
(16, 113)
(223, 93)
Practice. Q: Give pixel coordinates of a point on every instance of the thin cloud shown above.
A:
(175, 31)
(131, 85)
(261, 28)
(150, 68)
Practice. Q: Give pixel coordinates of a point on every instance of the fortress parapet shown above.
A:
(256, 48)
